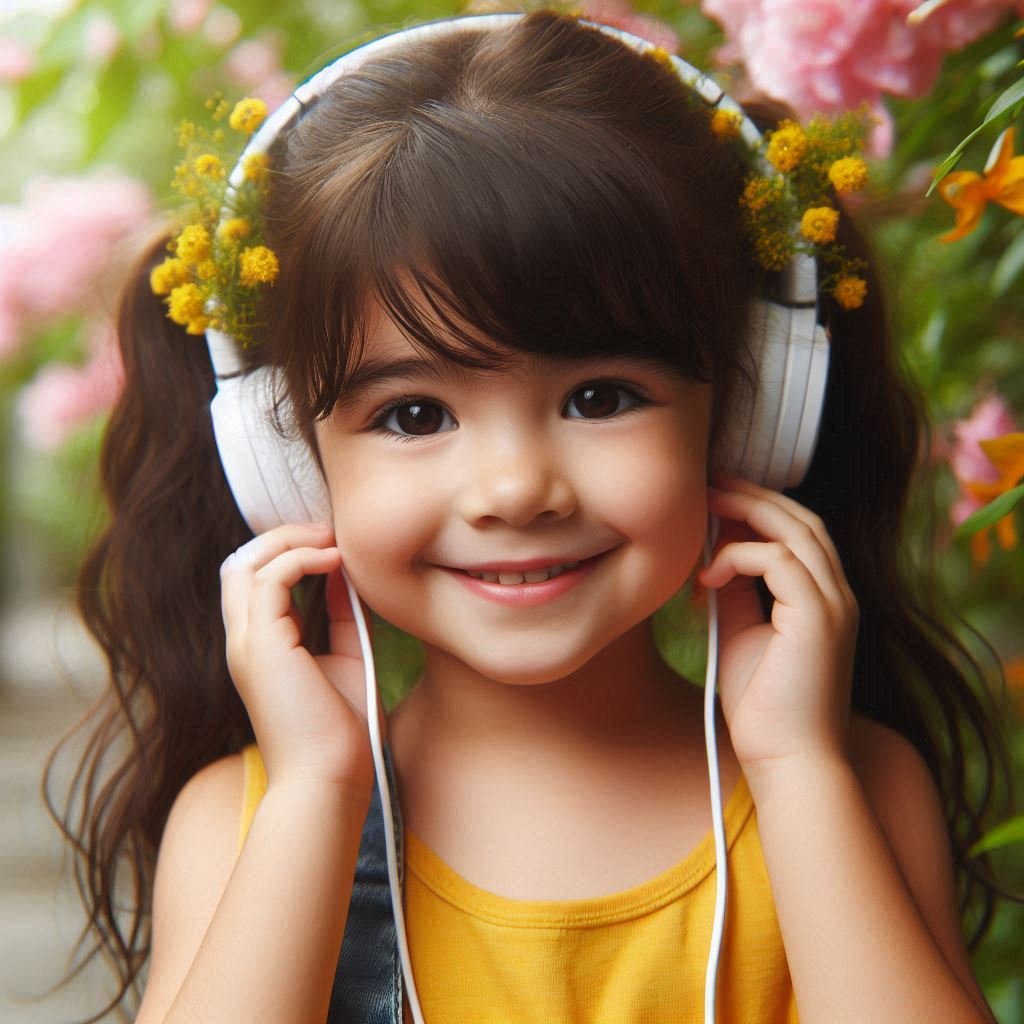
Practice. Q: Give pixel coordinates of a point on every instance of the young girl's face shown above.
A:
(437, 472)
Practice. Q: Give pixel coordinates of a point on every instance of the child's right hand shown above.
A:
(308, 713)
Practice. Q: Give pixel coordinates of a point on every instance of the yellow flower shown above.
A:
(166, 276)
(819, 223)
(258, 266)
(234, 230)
(257, 168)
(197, 326)
(848, 174)
(726, 124)
(850, 291)
(186, 133)
(209, 166)
(662, 56)
(759, 192)
(186, 304)
(248, 115)
(207, 270)
(969, 193)
(1006, 453)
(774, 249)
(786, 147)
(193, 245)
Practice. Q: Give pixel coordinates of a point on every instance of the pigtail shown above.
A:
(912, 671)
(149, 592)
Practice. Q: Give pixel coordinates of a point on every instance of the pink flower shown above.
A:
(16, 61)
(253, 61)
(62, 397)
(102, 37)
(988, 419)
(222, 27)
(620, 14)
(823, 56)
(57, 244)
(186, 17)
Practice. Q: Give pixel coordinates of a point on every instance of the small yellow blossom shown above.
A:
(760, 192)
(166, 276)
(257, 168)
(207, 270)
(774, 249)
(786, 147)
(258, 266)
(209, 166)
(248, 115)
(819, 223)
(662, 56)
(848, 174)
(850, 291)
(726, 124)
(186, 304)
(218, 107)
(197, 326)
(233, 230)
(186, 133)
(193, 245)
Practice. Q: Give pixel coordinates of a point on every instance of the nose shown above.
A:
(517, 481)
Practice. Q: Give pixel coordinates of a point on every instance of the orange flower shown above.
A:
(1006, 453)
(968, 193)
(1013, 670)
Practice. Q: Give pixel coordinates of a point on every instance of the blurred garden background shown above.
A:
(91, 93)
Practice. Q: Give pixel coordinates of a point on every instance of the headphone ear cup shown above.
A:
(769, 438)
(274, 478)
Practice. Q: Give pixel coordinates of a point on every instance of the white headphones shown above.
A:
(769, 439)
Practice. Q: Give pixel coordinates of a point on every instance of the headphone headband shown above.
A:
(769, 439)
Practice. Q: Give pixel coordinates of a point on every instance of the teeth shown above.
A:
(532, 576)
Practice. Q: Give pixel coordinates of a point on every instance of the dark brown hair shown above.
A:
(546, 190)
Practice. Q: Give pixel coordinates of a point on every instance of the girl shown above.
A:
(511, 325)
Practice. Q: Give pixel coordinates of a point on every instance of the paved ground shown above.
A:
(41, 649)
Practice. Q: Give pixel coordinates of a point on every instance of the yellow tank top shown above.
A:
(633, 957)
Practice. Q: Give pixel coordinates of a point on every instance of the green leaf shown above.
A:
(1008, 98)
(1009, 265)
(1006, 834)
(990, 514)
(115, 94)
(32, 92)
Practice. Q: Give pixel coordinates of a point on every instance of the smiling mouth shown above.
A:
(511, 579)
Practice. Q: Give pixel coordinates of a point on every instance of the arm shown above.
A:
(255, 939)
(850, 824)
(863, 885)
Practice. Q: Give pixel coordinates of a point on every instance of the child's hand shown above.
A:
(308, 713)
(784, 685)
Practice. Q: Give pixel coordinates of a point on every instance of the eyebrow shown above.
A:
(377, 373)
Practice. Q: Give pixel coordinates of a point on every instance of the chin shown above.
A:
(517, 670)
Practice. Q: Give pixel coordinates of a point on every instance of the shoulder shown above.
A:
(905, 799)
(197, 854)
(902, 793)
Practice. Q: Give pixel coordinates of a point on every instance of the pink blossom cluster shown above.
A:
(62, 397)
(989, 419)
(56, 250)
(822, 56)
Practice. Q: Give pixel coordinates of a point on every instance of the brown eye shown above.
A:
(599, 401)
(416, 419)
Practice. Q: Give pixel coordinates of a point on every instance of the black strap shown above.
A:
(368, 981)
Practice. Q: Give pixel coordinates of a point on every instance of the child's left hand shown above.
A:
(784, 685)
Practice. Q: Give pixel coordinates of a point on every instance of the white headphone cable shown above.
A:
(711, 742)
(710, 736)
(377, 746)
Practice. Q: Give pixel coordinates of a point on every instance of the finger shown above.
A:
(237, 569)
(789, 580)
(775, 522)
(270, 598)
